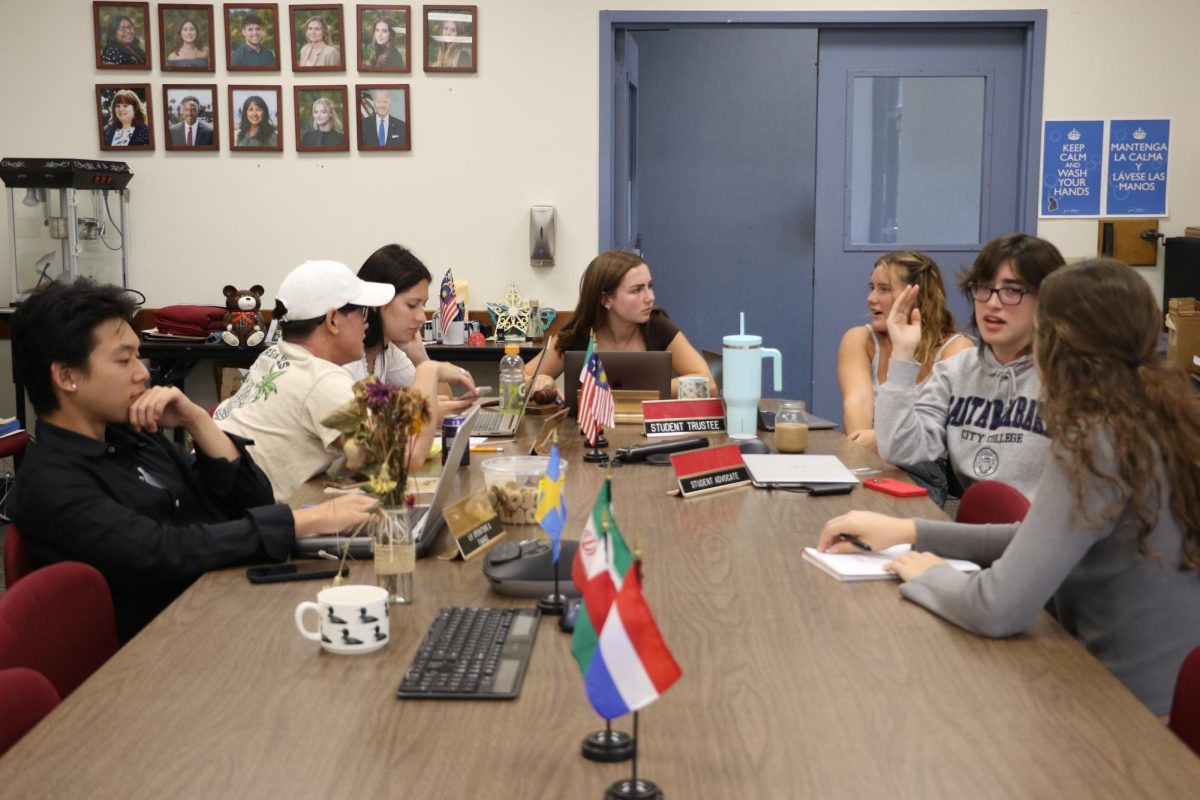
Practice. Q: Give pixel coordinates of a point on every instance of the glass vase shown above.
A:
(395, 552)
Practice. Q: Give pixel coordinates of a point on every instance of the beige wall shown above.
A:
(522, 131)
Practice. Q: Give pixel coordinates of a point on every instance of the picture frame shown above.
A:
(122, 35)
(461, 52)
(313, 54)
(251, 37)
(179, 116)
(132, 129)
(255, 118)
(311, 133)
(392, 55)
(186, 32)
(396, 119)
(274, 333)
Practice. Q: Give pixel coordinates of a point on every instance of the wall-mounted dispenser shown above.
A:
(541, 236)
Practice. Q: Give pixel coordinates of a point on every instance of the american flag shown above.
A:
(595, 400)
(449, 302)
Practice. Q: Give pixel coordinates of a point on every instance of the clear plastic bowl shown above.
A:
(512, 485)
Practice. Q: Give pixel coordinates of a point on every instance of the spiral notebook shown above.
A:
(869, 566)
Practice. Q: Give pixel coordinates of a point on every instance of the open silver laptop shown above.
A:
(491, 422)
(427, 521)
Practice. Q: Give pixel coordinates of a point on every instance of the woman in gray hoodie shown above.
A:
(980, 407)
(1113, 535)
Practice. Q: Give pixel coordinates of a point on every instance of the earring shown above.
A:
(73, 386)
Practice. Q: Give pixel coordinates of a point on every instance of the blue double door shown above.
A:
(764, 168)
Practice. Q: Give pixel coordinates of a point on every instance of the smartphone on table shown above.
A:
(294, 571)
(894, 487)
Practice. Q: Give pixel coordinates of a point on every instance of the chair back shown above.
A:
(1185, 707)
(59, 621)
(991, 502)
(714, 360)
(25, 697)
(16, 558)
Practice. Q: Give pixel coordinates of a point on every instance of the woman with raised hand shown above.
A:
(1113, 534)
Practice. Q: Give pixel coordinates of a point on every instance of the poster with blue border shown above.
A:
(1072, 163)
(1138, 151)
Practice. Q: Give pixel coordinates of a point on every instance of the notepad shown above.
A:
(869, 566)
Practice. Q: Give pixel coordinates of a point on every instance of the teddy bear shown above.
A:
(243, 324)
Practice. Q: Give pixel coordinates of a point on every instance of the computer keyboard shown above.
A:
(473, 654)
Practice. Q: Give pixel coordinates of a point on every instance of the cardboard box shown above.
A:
(1183, 332)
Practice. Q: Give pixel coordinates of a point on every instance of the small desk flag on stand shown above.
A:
(595, 400)
(601, 562)
(551, 509)
(448, 302)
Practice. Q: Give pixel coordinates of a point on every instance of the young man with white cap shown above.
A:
(297, 383)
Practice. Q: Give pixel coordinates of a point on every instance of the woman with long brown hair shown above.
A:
(1113, 534)
(616, 300)
(865, 350)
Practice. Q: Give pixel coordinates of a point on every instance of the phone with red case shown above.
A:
(895, 487)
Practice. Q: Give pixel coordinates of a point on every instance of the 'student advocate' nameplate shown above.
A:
(474, 525)
(709, 470)
(674, 417)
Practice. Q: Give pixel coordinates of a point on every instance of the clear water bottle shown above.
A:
(512, 380)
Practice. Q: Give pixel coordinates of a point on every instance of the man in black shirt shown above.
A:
(101, 484)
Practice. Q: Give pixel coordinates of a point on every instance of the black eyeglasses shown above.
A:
(350, 308)
(1009, 295)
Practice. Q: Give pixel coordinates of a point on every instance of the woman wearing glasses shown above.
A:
(979, 409)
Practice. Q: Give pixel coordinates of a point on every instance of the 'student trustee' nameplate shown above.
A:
(709, 470)
(675, 417)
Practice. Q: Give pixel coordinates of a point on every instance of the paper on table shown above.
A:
(869, 566)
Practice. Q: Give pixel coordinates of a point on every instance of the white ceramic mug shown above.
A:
(353, 619)
(694, 387)
(456, 333)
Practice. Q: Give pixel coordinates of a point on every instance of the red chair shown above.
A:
(991, 502)
(14, 446)
(16, 558)
(59, 621)
(1185, 707)
(25, 697)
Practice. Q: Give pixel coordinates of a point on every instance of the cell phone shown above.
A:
(480, 391)
(294, 571)
(894, 487)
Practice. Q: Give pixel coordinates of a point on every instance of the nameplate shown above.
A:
(474, 525)
(712, 469)
(676, 417)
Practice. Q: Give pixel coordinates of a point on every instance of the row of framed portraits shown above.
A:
(191, 119)
(254, 36)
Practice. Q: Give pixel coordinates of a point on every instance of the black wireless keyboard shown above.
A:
(473, 654)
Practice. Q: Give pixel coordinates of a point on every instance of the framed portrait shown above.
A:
(124, 115)
(185, 38)
(252, 37)
(451, 38)
(321, 123)
(122, 35)
(383, 118)
(317, 40)
(383, 40)
(255, 121)
(190, 117)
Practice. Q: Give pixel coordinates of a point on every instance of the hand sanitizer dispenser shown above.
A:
(541, 236)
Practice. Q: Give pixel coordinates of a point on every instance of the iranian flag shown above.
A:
(601, 562)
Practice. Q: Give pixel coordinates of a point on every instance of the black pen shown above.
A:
(852, 539)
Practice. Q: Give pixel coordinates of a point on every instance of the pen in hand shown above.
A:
(854, 540)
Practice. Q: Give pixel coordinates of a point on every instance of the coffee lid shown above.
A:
(742, 340)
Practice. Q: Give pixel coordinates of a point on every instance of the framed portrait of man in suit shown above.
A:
(190, 117)
(383, 116)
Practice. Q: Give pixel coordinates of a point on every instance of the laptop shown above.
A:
(792, 469)
(427, 521)
(491, 422)
(649, 371)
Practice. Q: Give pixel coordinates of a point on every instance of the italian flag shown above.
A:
(599, 569)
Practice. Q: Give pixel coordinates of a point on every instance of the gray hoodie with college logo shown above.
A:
(981, 413)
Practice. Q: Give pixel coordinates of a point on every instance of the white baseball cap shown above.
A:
(316, 287)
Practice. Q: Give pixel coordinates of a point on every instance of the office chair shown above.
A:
(59, 621)
(25, 697)
(1185, 706)
(991, 502)
(16, 558)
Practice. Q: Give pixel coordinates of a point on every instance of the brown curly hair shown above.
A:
(1097, 333)
(937, 320)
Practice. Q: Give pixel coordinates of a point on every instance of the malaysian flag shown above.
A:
(595, 400)
(449, 302)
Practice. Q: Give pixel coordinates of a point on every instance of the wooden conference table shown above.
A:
(793, 685)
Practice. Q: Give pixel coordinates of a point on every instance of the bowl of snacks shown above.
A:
(512, 483)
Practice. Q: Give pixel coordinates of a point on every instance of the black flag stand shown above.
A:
(608, 746)
(555, 603)
(634, 788)
(597, 455)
